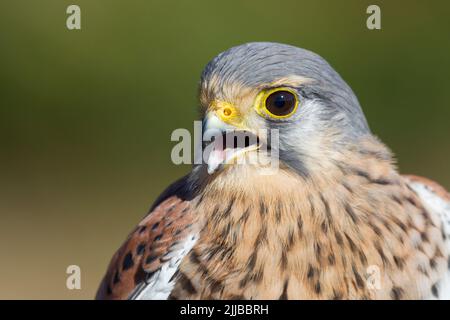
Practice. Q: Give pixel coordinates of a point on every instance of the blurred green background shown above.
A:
(86, 116)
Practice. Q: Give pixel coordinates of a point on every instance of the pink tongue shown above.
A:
(218, 151)
(216, 157)
(218, 143)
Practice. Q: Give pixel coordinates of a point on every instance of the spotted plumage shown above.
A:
(335, 221)
(151, 252)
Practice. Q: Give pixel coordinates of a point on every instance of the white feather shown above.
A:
(442, 208)
(159, 286)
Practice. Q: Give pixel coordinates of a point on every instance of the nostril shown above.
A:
(227, 112)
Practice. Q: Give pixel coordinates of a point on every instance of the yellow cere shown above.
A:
(260, 102)
(227, 113)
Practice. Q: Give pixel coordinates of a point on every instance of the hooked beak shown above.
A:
(226, 139)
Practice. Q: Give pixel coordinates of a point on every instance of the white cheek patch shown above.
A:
(161, 284)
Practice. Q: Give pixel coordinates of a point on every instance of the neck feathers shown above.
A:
(266, 237)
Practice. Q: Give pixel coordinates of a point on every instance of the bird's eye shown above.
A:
(281, 103)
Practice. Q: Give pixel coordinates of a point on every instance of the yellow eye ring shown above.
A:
(277, 103)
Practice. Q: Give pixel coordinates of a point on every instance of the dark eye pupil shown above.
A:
(281, 103)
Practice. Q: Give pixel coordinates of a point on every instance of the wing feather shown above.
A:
(437, 199)
(148, 249)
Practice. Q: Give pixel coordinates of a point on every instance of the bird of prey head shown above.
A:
(257, 87)
(335, 211)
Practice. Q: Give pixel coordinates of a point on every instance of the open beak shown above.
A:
(226, 139)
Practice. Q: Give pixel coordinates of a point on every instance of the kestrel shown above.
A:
(336, 220)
